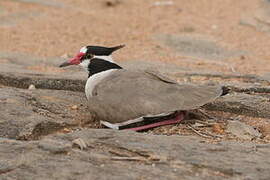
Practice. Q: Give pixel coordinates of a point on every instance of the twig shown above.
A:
(117, 158)
(204, 113)
(197, 132)
(203, 135)
(206, 123)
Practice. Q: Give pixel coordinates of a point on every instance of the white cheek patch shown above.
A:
(85, 63)
(83, 49)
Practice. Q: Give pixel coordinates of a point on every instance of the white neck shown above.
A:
(85, 64)
(94, 80)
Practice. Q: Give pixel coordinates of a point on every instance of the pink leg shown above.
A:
(175, 120)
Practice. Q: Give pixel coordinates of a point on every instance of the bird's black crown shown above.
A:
(102, 51)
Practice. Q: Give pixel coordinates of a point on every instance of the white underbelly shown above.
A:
(93, 80)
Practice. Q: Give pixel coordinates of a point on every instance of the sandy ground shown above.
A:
(63, 26)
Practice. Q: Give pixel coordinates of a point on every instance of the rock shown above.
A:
(54, 146)
(45, 75)
(239, 103)
(52, 3)
(242, 131)
(259, 19)
(249, 88)
(30, 114)
(266, 77)
(129, 155)
(196, 46)
(42, 81)
(6, 167)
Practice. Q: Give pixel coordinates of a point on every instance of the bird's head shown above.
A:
(86, 53)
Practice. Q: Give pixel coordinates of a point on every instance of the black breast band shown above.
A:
(97, 65)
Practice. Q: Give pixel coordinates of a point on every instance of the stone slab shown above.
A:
(197, 46)
(240, 103)
(53, 3)
(127, 155)
(29, 114)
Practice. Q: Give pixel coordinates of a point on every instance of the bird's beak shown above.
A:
(64, 64)
(73, 61)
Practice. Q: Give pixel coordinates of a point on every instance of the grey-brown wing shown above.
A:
(128, 95)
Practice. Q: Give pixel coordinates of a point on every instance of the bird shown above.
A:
(135, 100)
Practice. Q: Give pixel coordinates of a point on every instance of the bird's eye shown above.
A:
(87, 56)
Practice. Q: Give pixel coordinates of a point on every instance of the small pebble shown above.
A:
(66, 130)
(74, 107)
(32, 87)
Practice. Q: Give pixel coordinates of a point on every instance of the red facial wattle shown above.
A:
(73, 61)
(76, 59)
